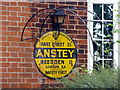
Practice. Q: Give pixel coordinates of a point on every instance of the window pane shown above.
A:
(97, 64)
(108, 26)
(97, 10)
(108, 63)
(97, 50)
(97, 30)
(108, 12)
(108, 50)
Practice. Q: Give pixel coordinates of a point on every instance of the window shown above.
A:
(102, 51)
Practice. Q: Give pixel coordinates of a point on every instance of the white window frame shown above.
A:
(90, 26)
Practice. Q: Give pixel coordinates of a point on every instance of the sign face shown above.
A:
(55, 54)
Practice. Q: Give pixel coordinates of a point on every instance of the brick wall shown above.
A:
(17, 62)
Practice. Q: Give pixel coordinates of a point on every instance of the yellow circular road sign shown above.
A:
(55, 54)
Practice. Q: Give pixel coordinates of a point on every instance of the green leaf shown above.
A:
(107, 50)
(110, 24)
(85, 70)
(113, 20)
(109, 36)
(118, 41)
(118, 15)
(116, 10)
(116, 31)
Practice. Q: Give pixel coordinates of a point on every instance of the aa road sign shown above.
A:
(55, 54)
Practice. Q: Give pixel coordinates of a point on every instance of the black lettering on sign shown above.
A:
(55, 72)
(55, 53)
(51, 61)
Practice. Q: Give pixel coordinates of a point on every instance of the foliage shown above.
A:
(101, 78)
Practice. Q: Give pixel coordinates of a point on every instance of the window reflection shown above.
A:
(108, 12)
(97, 30)
(108, 50)
(108, 26)
(97, 50)
(97, 10)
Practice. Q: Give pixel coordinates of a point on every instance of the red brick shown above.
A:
(14, 80)
(5, 85)
(31, 70)
(26, 34)
(29, 49)
(24, 14)
(14, 75)
(5, 43)
(82, 41)
(25, 75)
(25, 85)
(36, 75)
(14, 8)
(34, 20)
(4, 69)
(14, 85)
(25, 64)
(24, 4)
(13, 23)
(5, 64)
(80, 27)
(3, 17)
(13, 43)
(25, 54)
(3, 48)
(13, 13)
(4, 80)
(71, 31)
(13, 3)
(5, 54)
(32, 80)
(5, 33)
(4, 23)
(82, 56)
(5, 3)
(14, 69)
(29, 60)
(3, 8)
(81, 36)
(5, 13)
(14, 59)
(14, 64)
(3, 59)
(3, 38)
(28, 9)
(82, 32)
(3, 27)
(82, 12)
(41, 5)
(14, 29)
(14, 18)
(14, 54)
(24, 44)
(14, 49)
(13, 38)
(5, 75)
(21, 23)
(13, 33)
